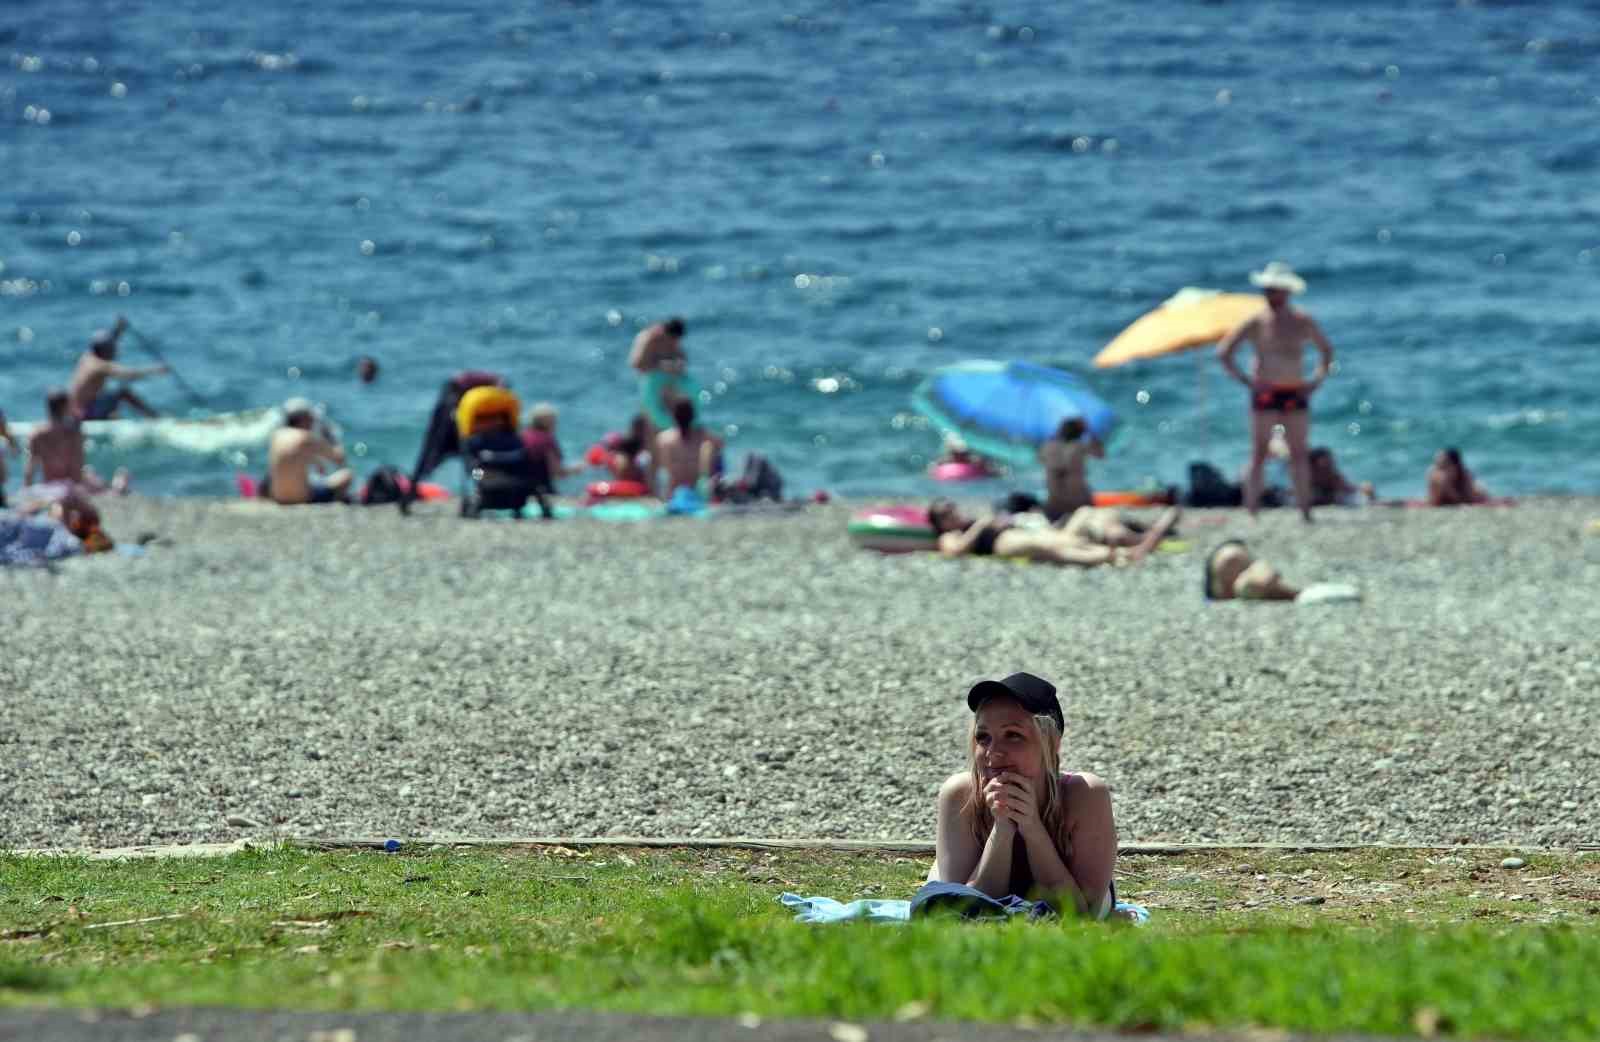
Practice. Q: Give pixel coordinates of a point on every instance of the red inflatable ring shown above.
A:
(616, 490)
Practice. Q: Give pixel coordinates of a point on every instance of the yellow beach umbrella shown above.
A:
(1190, 318)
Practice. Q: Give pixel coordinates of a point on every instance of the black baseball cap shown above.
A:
(1036, 694)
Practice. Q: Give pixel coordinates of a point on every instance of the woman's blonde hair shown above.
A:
(1049, 800)
(543, 416)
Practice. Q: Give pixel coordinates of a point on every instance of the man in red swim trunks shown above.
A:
(1279, 392)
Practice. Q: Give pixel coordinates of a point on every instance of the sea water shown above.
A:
(837, 197)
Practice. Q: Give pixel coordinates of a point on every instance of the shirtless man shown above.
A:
(294, 449)
(1066, 478)
(87, 391)
(55, 448)
(1279, 392)
(686, 452)
(659, 347)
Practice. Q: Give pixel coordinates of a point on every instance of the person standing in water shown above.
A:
(87, 392)
(1280, 395)
(659, 347)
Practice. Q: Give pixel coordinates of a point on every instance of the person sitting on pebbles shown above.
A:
(1014, 823)
(1451, 484)
(1329, 486)
(294, 449)
(999, 536)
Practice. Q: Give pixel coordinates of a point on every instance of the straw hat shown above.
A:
(1278, 275)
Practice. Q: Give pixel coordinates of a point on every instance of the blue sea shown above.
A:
(837, 197)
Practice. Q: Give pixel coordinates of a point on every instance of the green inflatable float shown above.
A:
(658, 389)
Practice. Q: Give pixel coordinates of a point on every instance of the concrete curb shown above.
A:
(887, 846)
(858, 846)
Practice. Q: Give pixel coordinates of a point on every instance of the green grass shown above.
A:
(1403, 941)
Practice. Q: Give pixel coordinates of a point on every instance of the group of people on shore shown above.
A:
(1076, 532)
(306, 466)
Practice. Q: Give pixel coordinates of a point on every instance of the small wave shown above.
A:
(1075, 142)
(1272, 211)
(202, 436)
(1574, 159)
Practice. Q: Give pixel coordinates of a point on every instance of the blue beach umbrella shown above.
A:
(1006, 410)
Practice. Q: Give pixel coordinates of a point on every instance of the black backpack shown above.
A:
(385, 485)
(1208, 488)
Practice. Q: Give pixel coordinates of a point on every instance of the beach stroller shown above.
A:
(441, 440)
(500, 475)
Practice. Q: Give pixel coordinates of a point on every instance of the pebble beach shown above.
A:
(338, 672)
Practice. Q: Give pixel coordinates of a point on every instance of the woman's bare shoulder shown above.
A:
(956, 787)
(1081, 788)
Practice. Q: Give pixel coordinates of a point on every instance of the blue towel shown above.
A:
(35, 540)
(971, 903)
(827, 910)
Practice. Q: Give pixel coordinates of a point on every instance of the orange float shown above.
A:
(1125, 498)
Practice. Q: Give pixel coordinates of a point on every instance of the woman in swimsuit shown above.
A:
(1013, 822)
(1451, 484)
(1329, 486)
(997, 536)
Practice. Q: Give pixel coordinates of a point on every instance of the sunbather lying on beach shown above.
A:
(998, 536)
(1233, 573)
(1013, 822)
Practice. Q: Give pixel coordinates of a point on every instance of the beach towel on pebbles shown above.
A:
(35, 541)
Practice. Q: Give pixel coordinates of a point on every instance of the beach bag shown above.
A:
(758, 480)
(387, 484)
(1208, 488)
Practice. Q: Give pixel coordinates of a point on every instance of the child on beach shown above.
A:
(544, 451)
(629, 459)
(1013, 822)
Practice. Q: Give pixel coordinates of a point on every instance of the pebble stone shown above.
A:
(346, 672)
